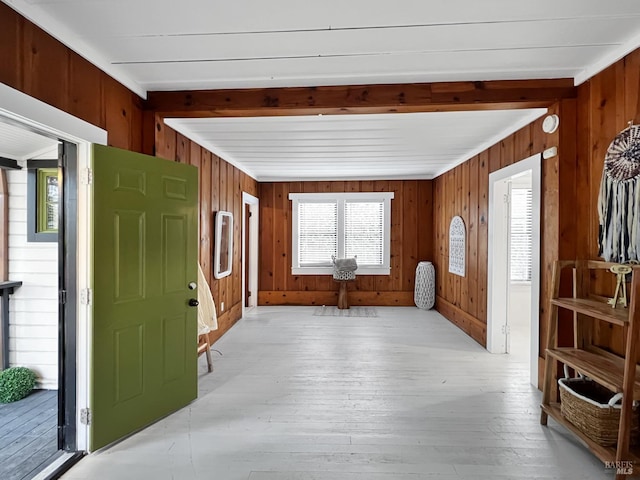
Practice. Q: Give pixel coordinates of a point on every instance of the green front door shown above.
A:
(144, 339)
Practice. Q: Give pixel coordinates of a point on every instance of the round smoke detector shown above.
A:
(550, 123)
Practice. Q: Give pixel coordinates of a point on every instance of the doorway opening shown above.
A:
(47, 327)
(39, 328)
(250, 208)
(514, 262)
(31, 312)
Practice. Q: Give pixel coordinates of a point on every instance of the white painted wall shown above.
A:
(519, 319)
(33, 327)
(519, 303)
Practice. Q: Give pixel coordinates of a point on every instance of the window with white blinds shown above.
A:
(520, 235)
(318, 232)
(344, 225)
(364, 232)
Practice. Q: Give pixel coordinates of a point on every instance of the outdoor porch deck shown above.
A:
(28, 439)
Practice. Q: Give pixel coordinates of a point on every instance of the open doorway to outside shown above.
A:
(514, 262)
(45, 327)
(39, 319)
(30, 317)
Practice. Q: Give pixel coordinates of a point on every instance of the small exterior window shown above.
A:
(47, 207)
(43, 199)
(520, 235)
(344, 225)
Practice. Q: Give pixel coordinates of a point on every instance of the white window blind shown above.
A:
(341, 224)
(364, 231)
(318, 232)
(520, 235)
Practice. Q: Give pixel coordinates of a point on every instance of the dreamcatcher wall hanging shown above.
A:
(619, 199)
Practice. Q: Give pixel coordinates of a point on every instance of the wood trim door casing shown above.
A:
(67, 238)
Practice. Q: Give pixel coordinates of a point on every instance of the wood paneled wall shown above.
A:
(221, 187)
(571, 181)
(411, 242)
(464, 191)
(37, 64)
(606, 103)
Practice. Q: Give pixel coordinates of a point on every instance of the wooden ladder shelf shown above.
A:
(618, 374)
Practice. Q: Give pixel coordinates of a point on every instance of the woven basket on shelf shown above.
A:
(593, 409)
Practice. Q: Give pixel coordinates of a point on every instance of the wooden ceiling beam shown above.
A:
(391, 98)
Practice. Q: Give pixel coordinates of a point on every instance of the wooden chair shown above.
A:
(205, 347)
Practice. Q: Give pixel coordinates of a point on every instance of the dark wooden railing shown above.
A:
(6, 289)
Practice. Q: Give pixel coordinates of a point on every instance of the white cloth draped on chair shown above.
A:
(207, 318)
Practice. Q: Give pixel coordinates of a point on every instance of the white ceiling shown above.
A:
(18, 143)
(206, 44)
(384, 146)
(193, 44)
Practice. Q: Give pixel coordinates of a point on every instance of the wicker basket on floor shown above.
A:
(594, 410)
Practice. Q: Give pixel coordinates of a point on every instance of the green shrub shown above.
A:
(16, 383)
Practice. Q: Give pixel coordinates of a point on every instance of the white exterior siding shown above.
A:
(33, 327)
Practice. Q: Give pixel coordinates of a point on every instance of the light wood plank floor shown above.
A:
(404, 396)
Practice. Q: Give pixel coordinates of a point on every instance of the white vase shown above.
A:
(424, 294)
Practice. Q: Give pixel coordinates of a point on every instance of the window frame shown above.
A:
(341, 199)
(35, 198)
